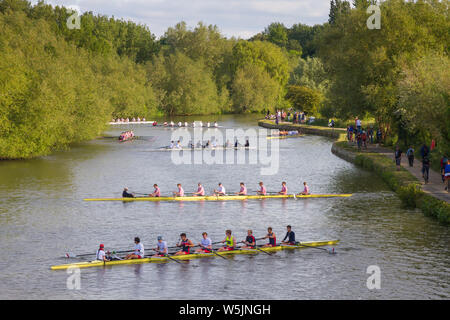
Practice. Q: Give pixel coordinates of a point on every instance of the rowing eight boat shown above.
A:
(97, 263)
(221, 198)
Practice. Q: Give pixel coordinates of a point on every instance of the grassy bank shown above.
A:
(406, 185)
(402, 182)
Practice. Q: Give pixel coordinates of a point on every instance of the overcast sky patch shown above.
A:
(243, 18)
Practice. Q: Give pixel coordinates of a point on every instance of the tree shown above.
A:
(304, 98)
(185, 86)
(254, 90)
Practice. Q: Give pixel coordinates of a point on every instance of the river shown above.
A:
(43, 216)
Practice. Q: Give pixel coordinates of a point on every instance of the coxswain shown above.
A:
(185, 245)
(205, 244)
(284, 189)
(272, 238)
(250, 241)
(156, 192)
(138, 250)
(101, 255)
(200, 190)
(290, 235)
(262, 191)
(180, 192)
(243, 190)
(230, 242)
(126, 194)
(220, 191)
(305, 190)
(161, 248)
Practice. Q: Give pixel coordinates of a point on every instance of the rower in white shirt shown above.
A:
(161, 248)
(220, 191)
(138, 250)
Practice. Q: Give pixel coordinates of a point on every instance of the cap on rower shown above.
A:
(160, 237)
(102, 245)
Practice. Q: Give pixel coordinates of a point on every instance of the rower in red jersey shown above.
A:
(272, 238)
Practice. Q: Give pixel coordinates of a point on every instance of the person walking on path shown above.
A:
(447, 175)
(444, 160)
(424, 151)
(410, 155)
(426, 168)
(398, 157)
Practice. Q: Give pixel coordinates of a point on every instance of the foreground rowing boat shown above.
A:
(97, 263)
(221, 198)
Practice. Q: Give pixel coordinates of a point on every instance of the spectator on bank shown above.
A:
(398, 157)
(410, 155)
(379, 135)
(424, 151)
(370, 134)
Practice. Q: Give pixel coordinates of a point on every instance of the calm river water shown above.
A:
(43, 216)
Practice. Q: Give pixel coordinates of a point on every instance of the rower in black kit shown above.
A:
(126, 194)
(291, 235)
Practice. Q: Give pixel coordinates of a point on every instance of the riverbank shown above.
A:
(406, 183)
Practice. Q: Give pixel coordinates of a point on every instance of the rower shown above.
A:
(305, 190)
(155, 123)
(220, 191)
(172, 145)
(243, 190)
(205, 244)
(186, 124)
(157, 192)
(200, 190)
(230, 242)
(284, 189)
(165, 124)
(161, 248)
(236, 143)
(138, 250)
(247, 143)
(172, 124)
(179, 124)
(185, 245)
(178, 146)
(180, 192)
(101, 255)
(272, 238)
(262, 191)
(250, 241)
(215, 124)
(208, 124)
(214, 144)
(289, 234)
(199, 144)
(126, 194)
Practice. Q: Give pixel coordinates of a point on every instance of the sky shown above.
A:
(238, 18)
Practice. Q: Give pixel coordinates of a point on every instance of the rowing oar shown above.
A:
(168, 257)
(212, 250)
(69, 255)
(258, 248)
(330, 251)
